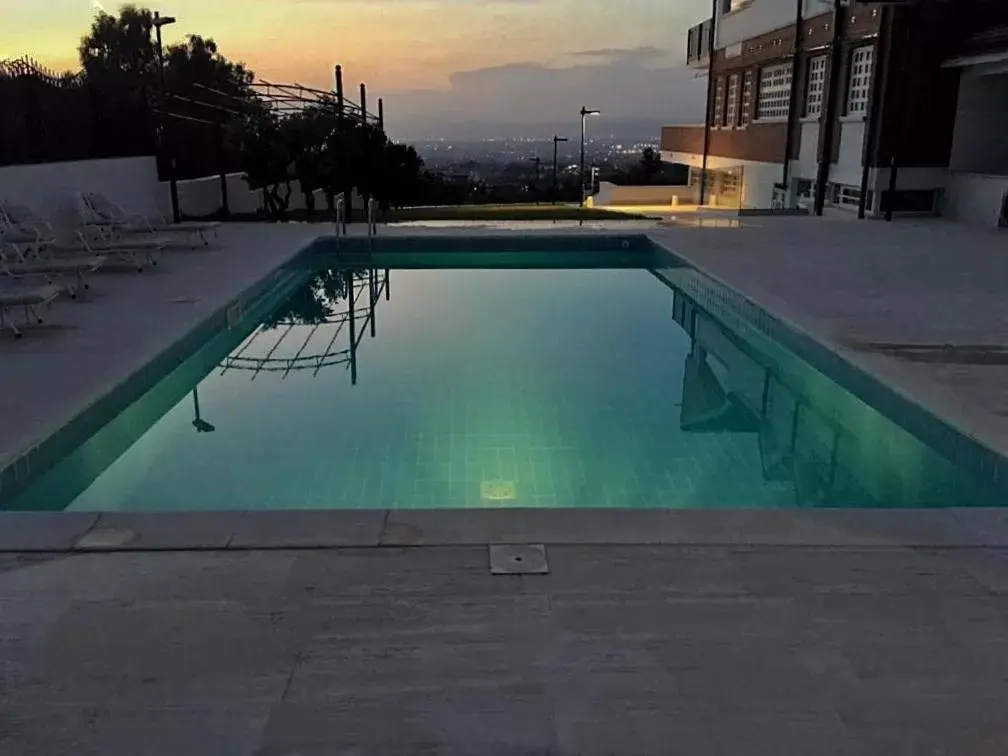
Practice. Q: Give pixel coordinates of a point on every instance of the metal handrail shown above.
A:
(340, 222)
(372, 207)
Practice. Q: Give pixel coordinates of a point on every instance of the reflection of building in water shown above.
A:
(332, 310)
(832, 447)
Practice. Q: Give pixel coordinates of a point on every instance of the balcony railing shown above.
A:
(698, 44)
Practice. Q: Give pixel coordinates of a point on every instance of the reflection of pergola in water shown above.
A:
(315, 344)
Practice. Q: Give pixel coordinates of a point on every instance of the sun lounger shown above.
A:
(71, 269)
(28, 297)
(98, 210)
(30, 236)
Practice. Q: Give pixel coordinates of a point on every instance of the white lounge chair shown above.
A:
(15, 294)
(98, 210)
(71, 270)
(32, 237)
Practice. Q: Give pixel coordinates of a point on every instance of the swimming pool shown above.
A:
(468, 375)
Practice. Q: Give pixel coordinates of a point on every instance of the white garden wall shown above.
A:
(612, 195)
(129, 182)
(202, 197)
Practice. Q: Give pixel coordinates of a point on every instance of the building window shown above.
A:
(731, 183)
(746, 98)
(816, 86)
(718, 103)
(859, 80)
(774, 98)
(731, 109)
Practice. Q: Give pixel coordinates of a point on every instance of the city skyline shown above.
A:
(435, 62)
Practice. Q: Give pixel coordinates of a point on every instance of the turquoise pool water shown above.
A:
(605, 387)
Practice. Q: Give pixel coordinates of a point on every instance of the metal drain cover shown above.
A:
(521, 559)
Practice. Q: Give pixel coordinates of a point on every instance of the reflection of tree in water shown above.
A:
(316, 301)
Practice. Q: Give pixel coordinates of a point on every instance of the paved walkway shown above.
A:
(869, 632)
(87, 347)
(619, 650)
(866, 287)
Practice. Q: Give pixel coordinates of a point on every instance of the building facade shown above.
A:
(875, 108)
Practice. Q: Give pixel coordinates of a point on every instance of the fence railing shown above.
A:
(46, 117)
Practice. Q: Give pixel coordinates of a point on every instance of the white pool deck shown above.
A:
(698, 632)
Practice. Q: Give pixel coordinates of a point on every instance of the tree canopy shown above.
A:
(218, 121)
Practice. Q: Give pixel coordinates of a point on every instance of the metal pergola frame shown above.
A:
(257, 353)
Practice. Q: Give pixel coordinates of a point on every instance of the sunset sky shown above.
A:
(430, 54)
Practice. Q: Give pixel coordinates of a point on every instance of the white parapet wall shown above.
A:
(201, 197)
(974, 198)
(131, 183)
(613, 195)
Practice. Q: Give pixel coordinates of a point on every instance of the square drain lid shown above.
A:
(524, 559)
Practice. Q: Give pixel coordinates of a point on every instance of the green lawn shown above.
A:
(517, 212)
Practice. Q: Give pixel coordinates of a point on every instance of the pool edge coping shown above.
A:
(240, 530)
(185, 540)
(945, 433)
(138, 380)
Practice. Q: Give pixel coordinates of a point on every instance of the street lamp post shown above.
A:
(585, 112)
(158, 21)
(556, 140)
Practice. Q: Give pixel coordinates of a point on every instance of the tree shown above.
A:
(118, 49)
(264, 155)
(118, 56)
(399, 176)
(650, 164)
(314, 302)
(308, 134)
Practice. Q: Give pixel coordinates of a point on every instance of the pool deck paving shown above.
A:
(87, 347)
(653, 632)
(876, 293)
(711, 646)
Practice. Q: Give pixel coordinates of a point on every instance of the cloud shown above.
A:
(642, 54)
(531, 93)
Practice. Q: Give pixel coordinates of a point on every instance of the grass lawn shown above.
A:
(506, 213)
(518, 212)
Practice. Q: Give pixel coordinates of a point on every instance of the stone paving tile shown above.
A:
(640, 571)
(909, 723)
(42, 531)
(163, 530)
(400, 573)
(509, 720)
(989, 567)
(484, 526)
(421, 650)
(182, 640)
(308, 529)
(985, 527)
(133, 576)
(795, 572)
(97, 730)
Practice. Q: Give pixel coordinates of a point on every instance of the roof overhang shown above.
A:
(987, 64)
